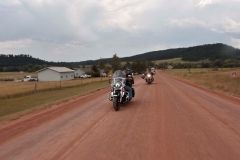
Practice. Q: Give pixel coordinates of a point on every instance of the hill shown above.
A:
(211, 52)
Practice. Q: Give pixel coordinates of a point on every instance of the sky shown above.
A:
(79, 30)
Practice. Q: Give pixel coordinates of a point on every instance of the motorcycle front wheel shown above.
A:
(116, 104)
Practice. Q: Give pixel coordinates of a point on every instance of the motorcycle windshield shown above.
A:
(118, 76)
(119, 73)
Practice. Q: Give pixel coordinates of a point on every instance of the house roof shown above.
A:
(78, 69)
(58, 69)
(86, 69)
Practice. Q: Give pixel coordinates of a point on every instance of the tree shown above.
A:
(205, 65)
(94, 68)
(127, 64)
(115, 63)
(150, 64)
(139, 65)
(218, 63)
(101, 64)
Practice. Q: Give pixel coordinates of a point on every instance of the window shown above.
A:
(66, 76)
(61, 76)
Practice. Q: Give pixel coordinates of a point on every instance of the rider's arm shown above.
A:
(132, 81)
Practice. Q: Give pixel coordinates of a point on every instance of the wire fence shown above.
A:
(10, 89)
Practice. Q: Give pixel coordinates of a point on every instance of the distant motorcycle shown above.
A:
(118, 95)
(148, 78)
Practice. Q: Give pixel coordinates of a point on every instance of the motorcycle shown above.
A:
(148, 78)
(118, 94)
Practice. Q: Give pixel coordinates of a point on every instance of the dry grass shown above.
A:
(18, 75)
(14, 107)
(10, 89)
(19, 98)
(177, 60)
(173, 60)
(217, 80)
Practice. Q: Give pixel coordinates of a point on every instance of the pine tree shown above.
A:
(101, 64)
(115, 63)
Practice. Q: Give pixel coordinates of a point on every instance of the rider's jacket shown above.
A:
(129, 82)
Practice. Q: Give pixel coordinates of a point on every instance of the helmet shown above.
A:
(128, 69)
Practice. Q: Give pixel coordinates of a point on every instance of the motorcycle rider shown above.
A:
(149, 71)
(129, 81)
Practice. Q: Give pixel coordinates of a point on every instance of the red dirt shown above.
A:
(169, 119)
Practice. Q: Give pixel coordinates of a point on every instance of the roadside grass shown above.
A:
(13, 108)
(220, 80)
(10, 89)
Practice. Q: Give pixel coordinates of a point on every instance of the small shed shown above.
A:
(55, 74)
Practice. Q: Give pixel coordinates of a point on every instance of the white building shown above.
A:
(102, 73)
(55, 74)
(78, 72)
(170, 67)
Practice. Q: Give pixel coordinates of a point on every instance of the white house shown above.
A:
(78, 72)
(170, 67)
(55, 74)
(86, 70)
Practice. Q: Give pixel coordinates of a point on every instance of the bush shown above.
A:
(9, 79)
(94, 74)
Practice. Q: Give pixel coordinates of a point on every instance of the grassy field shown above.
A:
(5, 75)
(220, 80)
(10, 89)
(176, 60)
(19, 98)
(12, 108)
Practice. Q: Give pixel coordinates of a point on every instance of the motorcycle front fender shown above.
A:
(116, 93)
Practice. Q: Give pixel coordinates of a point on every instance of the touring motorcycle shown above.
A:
(148, 78)
(118, 94)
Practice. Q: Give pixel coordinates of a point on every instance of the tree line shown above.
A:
(219, 55)
(137, 65)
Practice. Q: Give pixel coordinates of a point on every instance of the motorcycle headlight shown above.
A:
(118, 85)
(148, 75)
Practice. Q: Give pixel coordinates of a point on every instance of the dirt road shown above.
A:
(168, 119)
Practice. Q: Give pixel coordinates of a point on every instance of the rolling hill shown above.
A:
(209, 51)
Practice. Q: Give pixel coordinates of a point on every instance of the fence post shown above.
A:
(60, 84)
(35, 87)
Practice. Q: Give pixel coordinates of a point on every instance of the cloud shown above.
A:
(203, 3)
(72, 30)
(235, 42)
(231, 26)
(186, 22)
(16, 44)
(10, 2)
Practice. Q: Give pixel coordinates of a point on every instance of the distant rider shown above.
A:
(149, 71)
